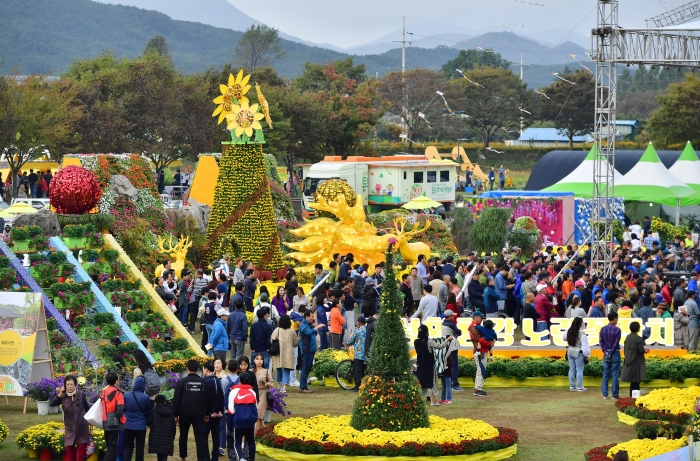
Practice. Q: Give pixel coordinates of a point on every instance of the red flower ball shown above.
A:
(74, 190)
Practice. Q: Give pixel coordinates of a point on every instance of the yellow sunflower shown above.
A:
(235, 90)
(244, 119)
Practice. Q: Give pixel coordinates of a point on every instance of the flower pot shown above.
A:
(42, 408)
(94, 456)
(32, 454)
(21, 245)
(75, 242)
(45, 454)
(268, 416)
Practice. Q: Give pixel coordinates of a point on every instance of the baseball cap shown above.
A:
(449, 313)
(635, 261)
(477, 314)
(515, 248)
(541, 287)
(369, 281)
(579, 283)
(221, 312)
(264, 297)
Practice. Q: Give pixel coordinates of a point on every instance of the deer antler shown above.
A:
(415, 231)
(184, 244)
(170, 249)
(399, 225)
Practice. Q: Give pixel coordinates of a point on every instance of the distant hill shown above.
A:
(511, 45)
(48, 35)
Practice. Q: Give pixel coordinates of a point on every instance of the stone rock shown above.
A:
(43, 218)
(199, 212)
(122, 187)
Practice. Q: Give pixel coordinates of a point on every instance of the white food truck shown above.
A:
(384, 182)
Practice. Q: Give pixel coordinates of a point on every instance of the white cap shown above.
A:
(222, 312)
(541, 286)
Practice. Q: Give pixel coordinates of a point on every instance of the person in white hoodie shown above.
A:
(274, 315)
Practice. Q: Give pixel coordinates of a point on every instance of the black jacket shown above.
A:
(529, 312)
(260, 334)
(369, 300)
(162, 436)
(190, 398)
(166, 297)
(408, 296)
(476, 294)
(215, 395)
(369, 335)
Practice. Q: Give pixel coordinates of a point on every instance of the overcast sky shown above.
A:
(350, 23)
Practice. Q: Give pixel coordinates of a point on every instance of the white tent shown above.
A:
(580, 181)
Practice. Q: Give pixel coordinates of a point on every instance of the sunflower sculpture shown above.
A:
(244, 119)
(231, 94)
(264, 106)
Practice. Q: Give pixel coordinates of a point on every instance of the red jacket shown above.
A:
(666, 293)
(544, 307)
(113, 402)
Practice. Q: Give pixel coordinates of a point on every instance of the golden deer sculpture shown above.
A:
(410, 251)
(177, 253)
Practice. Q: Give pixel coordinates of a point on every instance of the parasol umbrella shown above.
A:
(20, 208)
(421, 203)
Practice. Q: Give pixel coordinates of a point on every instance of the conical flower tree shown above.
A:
(242, 220)
(390, 398)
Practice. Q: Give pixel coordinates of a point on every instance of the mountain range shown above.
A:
(48, 35)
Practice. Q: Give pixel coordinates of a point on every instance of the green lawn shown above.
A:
(554, 424)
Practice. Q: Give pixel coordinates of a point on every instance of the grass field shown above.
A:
(554, 424)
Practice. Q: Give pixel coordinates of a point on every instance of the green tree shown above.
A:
(388, 369)
(571, 107)
(157, 45)
(314, 76)
(103, 123)
(259, 46)
(490, 231)
(495, 103)
(469, 59)
(406, 95)
(35, 115)
(676, 120)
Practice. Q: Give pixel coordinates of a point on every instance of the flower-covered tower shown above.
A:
(243, 216)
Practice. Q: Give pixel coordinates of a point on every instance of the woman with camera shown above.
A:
(75, 406)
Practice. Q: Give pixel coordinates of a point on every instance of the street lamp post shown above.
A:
(459, 156)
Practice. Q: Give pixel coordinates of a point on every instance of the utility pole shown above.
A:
(522, 78)
(403, 71)
(376, 77)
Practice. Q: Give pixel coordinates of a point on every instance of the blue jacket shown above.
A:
(490, 300)
(260, 334)
(307, 337)
(237, 326)
(135, 417)
(219, 337)
(499, 284)
(448, 269)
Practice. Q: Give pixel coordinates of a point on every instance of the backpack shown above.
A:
(229, 382)
(243, 405)
(152, 382)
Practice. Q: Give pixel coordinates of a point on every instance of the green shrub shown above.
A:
(490, 231)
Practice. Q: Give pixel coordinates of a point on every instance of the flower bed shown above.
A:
(51, 435)
(452, 437)
(673, 400)
(4, 431)
(676, 369)
(326, 361)
(637, 449)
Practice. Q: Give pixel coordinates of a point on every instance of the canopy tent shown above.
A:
(499, 194)
(687, 169)
(579, 181)
(650, 181)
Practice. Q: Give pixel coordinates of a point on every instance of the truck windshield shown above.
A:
(311, 184)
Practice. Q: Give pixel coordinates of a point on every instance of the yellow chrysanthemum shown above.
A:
(671, 400)
(244, 119)
(264, 106)
(638, 450)
(231, 94)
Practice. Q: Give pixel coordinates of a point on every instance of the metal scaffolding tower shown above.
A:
(611, 45)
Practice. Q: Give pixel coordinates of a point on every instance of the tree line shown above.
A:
(144, 105)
